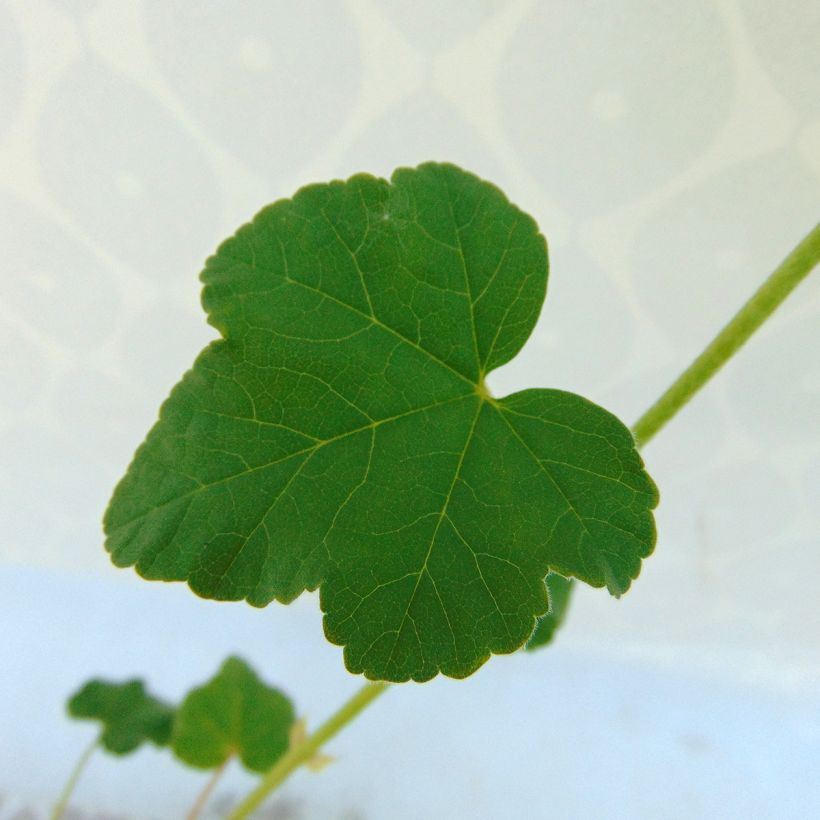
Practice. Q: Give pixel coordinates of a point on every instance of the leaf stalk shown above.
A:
(763, 302)
(205, 795)
(76, 772)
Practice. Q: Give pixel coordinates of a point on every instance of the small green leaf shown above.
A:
(341, 434)
(235, 713)
(559, 590)
(129, 715)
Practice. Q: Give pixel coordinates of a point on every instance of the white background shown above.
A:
(670, 152)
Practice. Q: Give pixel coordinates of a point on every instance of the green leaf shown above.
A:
(341, 435)
(560, 591)
(235, 713)
(129, 715)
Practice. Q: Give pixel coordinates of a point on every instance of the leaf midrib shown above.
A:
(442, 515)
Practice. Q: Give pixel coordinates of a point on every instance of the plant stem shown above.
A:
(68, 789)
(303, 752)
(205, 794)
(766, 299)
(794, 268)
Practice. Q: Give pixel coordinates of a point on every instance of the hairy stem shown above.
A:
(207, 789)
(766, 299)
(303, 752)
(68, 789)
(794, 268)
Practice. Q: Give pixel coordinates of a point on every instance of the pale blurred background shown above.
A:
(670, 152)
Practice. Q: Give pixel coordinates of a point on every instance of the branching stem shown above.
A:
(304, 751)
(794, 268)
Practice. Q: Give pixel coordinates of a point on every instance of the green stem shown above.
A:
(768, 297)
(303, 752)
(68, 789)
(205, 794)
(794, 268)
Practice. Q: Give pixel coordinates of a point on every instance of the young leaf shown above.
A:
(129, 715)
(235, 713)
(560, 590)
(341, 435)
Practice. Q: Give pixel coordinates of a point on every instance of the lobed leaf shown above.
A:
(129, 716)
(340, 434)
(235, 713)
